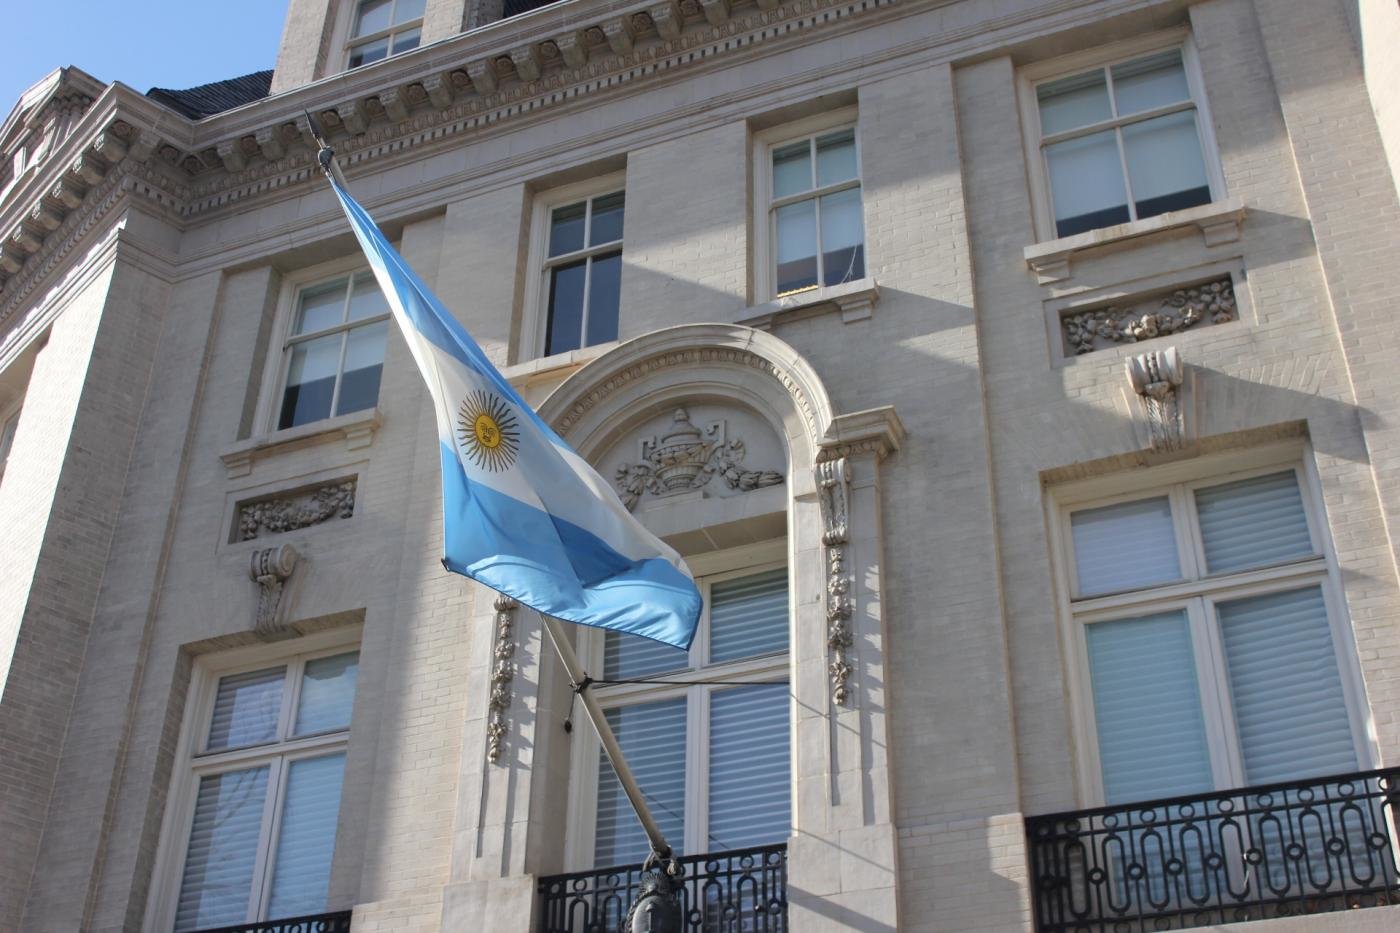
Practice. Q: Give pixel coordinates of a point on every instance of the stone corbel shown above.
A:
(667, 19)
(395, 103)
(67, 194)
(232, 155)
(353, 117)
(572, 48)
(1158, 380)
(502, 673)
(269, 140)
(44, 216)
(108, 147)
(271, 568)
(527, 62)
(716, 11)
(483, 75)
(86, 168)
(439, 90)
(619, 34)
(833, 489)
(144, 145)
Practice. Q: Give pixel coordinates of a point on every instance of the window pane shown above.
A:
(1253, 522)
(566, 228)
(407, 40)
(836, 157)
(246, 709)
(629, 656)
(369, 52)
(1150, 82)
(306, 839)
(604, 292)
(374, 16)
(321, 307)
(1086, 183)
(749, 616)
(750, 797)
(223, 847)
(364, 361)
(796, 246)
(1289, 709)
(607, 219)
(1125, 546)
(310, 381)
(843, 237)
(327, 693)
(1074, 101)
(652, 736)
(1165, 164)
(1152, 738)
(366, 300)
(792, 169)
(565, 307)
(406, 10)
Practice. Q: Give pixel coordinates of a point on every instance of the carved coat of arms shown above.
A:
(687, 458)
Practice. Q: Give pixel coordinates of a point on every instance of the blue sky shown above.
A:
(143, 43)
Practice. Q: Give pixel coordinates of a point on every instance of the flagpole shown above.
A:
(580, 682)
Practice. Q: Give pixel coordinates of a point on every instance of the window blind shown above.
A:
(327, 693)
(652, 736)
(223, 848)
(1124, 546)
(246, 708)
(306, 840)
(1253, 522)
(750, 797)
(1152, 740)
(749, 616)
(627, 656)
(1289, 708)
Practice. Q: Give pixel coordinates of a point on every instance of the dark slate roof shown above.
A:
(215, 97)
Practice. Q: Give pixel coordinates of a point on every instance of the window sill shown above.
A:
(553, 368)
(356, 429)
(854, 300)
(1218, 222)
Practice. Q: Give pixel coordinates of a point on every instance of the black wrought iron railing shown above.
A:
(1258, 852)
(336, 922)
(516, 7)
(741, 891)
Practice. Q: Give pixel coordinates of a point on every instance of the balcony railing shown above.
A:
(742, 891)
(337, 922)
(1279, 850)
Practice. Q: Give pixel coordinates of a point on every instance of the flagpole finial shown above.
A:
(325, 155)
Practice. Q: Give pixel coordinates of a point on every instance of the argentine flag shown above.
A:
(523, 513)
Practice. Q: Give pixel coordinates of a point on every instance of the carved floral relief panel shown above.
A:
(1144, 318)
(300, 508)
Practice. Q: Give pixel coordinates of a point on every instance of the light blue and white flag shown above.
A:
(523, 513)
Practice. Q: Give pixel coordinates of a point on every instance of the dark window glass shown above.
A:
(566, 284)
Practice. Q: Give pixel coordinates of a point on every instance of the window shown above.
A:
(1206, 617)
(1124, 141)
(810, 192)
(384, 27)
(265, 797)
(334, 350)
(711, 757)
(583, 272)
(9, 422)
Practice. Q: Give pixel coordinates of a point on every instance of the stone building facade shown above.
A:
(1032, 358)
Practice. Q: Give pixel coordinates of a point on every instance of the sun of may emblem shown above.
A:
(488, 431)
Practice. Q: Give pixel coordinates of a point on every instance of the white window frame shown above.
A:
(535, 322)
(1030, 77)
(583, 780)
(191, 764)
(347, 41)
(765, 229)
(1197, 593)
(274, 379)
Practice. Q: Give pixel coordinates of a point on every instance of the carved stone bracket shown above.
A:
(502, 673)
(296, 510)
(833, 487)
(1157, 377)
(686, 459)
(270, 568)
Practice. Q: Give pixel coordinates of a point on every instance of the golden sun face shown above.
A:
(488, 432)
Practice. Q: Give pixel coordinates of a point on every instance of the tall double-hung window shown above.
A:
(258, 825)
(1124, 140)
(710, 756)
(1211, 638)
(334, 350)
(384, 27)
(582, 271)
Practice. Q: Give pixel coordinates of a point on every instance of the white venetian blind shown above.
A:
(1152, 740)
(1252, 522)
(1125, 546)
(627, 656)
(652, 736)
(749, 616)
(750, 798)
(246, 709)
(1290, 712)
(327, 693)
(306, 839)
(223, 849)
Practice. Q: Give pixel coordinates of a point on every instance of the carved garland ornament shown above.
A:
(833, 487)
(298, 510)
(1184, 308)
(686, 459)
(502, 673)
